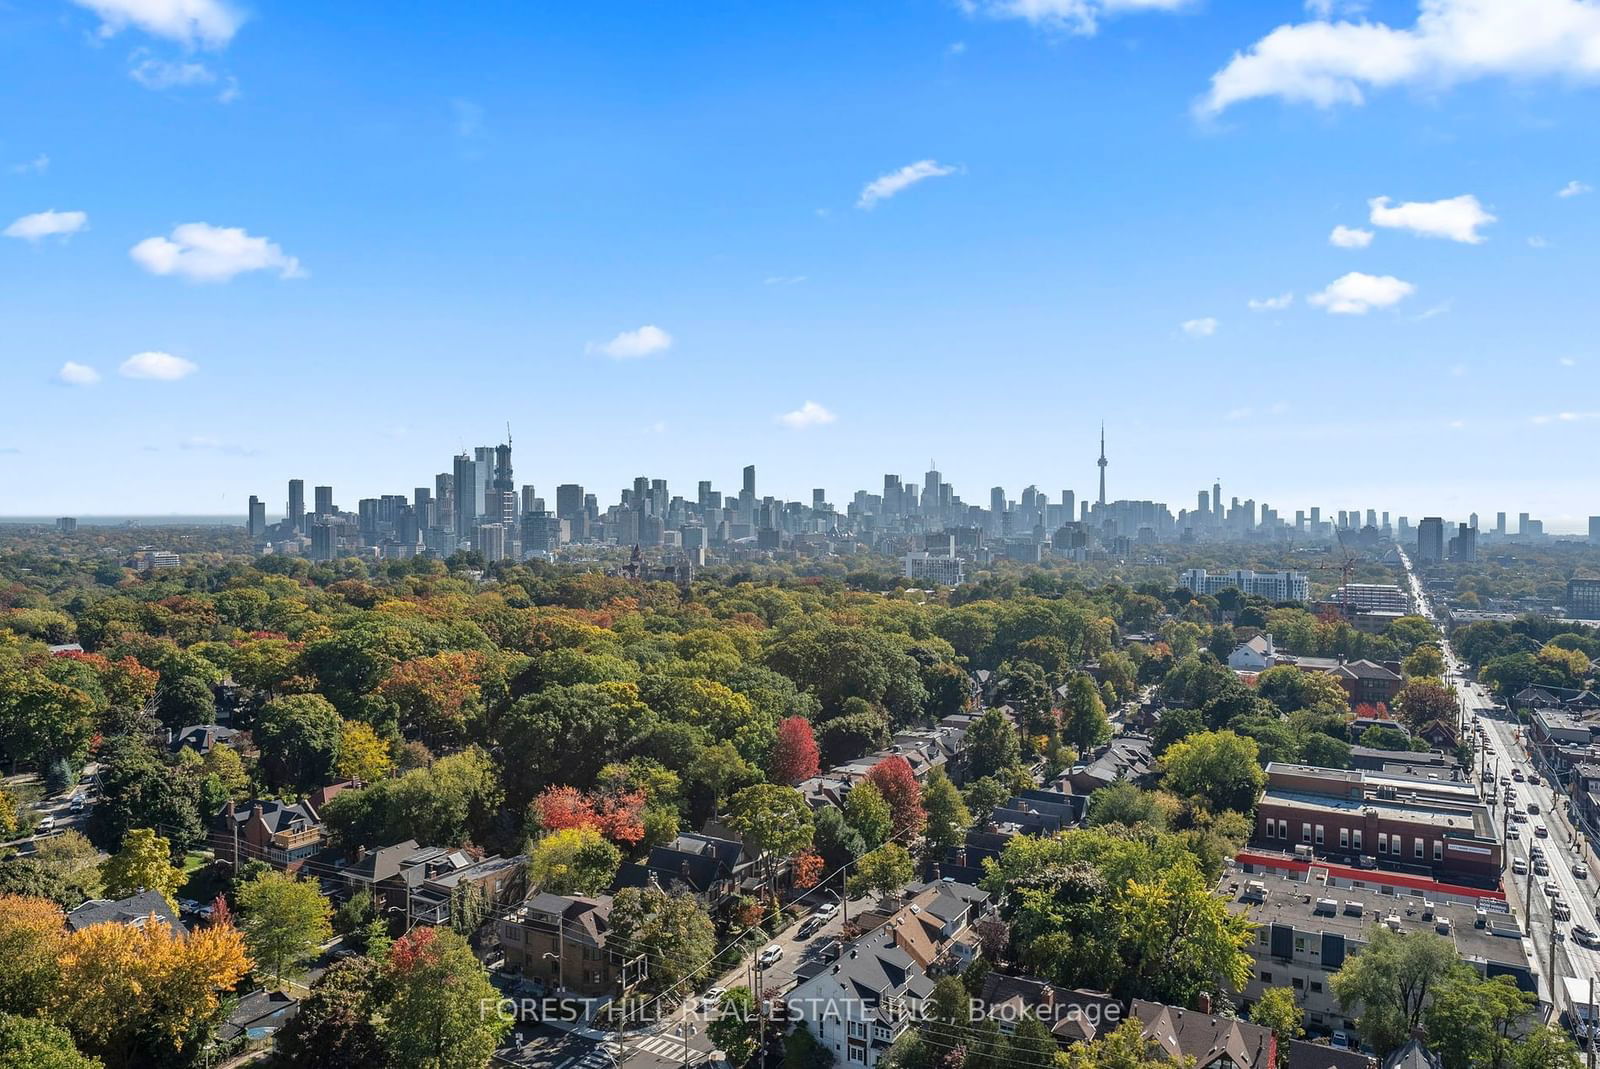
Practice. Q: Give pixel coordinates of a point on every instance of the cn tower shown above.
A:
(1102, 463)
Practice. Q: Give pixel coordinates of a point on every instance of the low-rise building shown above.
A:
(858, 1005)
(135, 910)
(1368, 682)
(561, 941)
(1273, 586)
(1204, 1039)
(1428, 827)
(1305, 932)
(283, 834)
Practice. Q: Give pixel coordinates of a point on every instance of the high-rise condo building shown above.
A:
(466, 494)
(324, 501)
(1430, 539)
(256, 524)
(296, 512)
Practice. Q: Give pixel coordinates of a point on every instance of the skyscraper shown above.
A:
(324, 501)
(1594, 530)
(1102, 462)
(1430, 539)
(296, 512)
(1500, 523)
(256, 524)
(466, 483)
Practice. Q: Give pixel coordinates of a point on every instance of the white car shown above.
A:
(711, 999)
(45, 826)
(827, 909)
(1580, 870)
(769, 957)
(1519, 866)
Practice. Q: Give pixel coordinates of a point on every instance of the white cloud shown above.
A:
(1437, 310)
(1567, 417)
(1327, 63)
(1356, 293)
(75, 374)
(1203, 327)
(205, 253)
(956, 48)
(1538, 241)
(1457, 218)
(1349, 237)
(1574, 188)
(38, 165)
(1239, 413)
(1568, 361)
(885, 186)
(1458, 370)
(1072, 16)
(633, 344)
(47, 224)
(164, 74)
(1270, 304)
(783, 280)
(163, 367)
(208, 23)
(809, 414)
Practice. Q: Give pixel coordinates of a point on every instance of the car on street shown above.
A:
(46, 826)
(711, 999)
(1516, 774)
(1580, 870)
(1505, 781)
(1519, 866)
(810, 926)
(1584, 936)
(1513, 833)
(827, 909)
(1533, 807)
(1550, 888)
(1540, 831)
(1541, 867)
(770, 956)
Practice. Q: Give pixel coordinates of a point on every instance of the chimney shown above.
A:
(361, 854)
(1202, 1002)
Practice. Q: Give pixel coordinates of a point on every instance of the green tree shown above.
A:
(1392, 981)
(284, 920)
(1083, 715)
(1277, 1010)
(868, 813)
(992, 746)
(1425, 661)
(143, 864)
(573, 861)
(1124, 803)
(773, 819)
(884, 871)
(1422, 701)
(435, 1015)
(334, 1027)
(32, 1043)
(1546, 1047)
(1218, 767)
(299, 740)
(1471, 1021)
(672, 932)
(733, 1024)
(948, 817)
(983, 795)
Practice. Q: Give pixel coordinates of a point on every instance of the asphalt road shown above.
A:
(1501, 754)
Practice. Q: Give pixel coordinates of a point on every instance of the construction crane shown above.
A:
(1344, 568)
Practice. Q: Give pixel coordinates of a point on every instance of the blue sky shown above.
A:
(358, 237)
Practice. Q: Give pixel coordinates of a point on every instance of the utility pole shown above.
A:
(233, 825)
(1591, 1022)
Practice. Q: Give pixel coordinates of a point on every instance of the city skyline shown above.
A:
(800, 235)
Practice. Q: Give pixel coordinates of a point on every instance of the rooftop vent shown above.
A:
(1353, 908)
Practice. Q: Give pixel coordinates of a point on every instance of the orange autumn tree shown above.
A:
(806, 868)
(32, 931)
(123, 986)
(618, 815)
(434, 697)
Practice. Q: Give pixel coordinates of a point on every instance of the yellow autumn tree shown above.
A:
(362, 755)
(31, 933)
(143, 864)
(126, 985)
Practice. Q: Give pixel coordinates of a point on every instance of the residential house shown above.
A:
(282, 834)
(1306, 1055)
(1254, 654)
(258, 1016)
(1212, 1041)
(560, 941)
(714, 868)
(932, 923)
(1368, 682)
(201, 738)
(1072, 1016)
(1414, 1055)
(1126, 757)
(135, 910)
(857, 1006)
(440, 884)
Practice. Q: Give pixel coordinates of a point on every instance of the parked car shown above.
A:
(1519, 866)
(1580, 870)
(1341, 1040)
(809, 926)
(827, 909)
(46, 826)
(711, 999)
(1533, 807)
(1540, 831)
(1584, 936)
(770, 956)
(1551, 889)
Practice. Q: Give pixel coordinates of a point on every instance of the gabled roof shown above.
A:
(1412, 1056)
(136, 910)
(1304, 1055)
(378, 865)
(1365, 669)
(1205, 1037)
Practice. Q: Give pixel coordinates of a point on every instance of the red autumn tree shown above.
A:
(794, 755)
(898, 785)
(560, 808)
(618, 816)
(807, 868)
